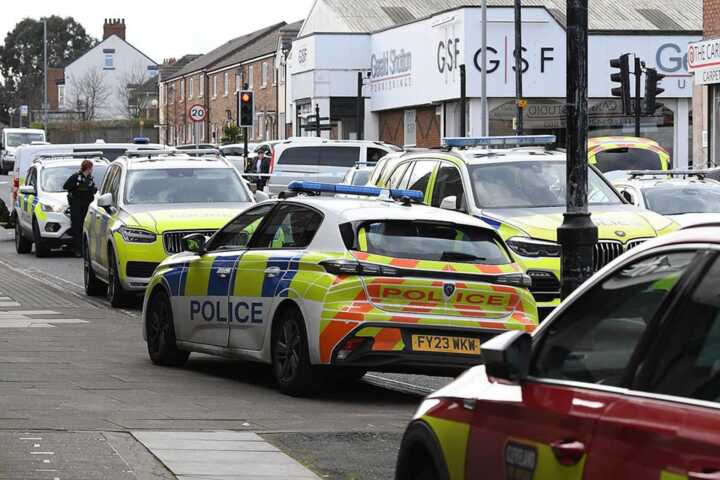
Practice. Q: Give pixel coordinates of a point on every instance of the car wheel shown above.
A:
(22, 244)
(116, 294)
(420, 457)
(290, 357)
(93, 286)
(160, 331)
(41, 247)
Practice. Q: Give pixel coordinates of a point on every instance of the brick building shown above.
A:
(703, 59)
(213, 79)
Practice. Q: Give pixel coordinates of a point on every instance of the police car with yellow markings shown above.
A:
(147, 202)
(520, 191)
(320, 286)
(41, 207)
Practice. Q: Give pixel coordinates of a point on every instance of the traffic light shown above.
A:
(622, 76)
(247, 108)
(652, 78)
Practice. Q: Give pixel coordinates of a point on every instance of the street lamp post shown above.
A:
(577, 234)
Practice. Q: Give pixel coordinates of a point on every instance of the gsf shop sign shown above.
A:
(448, 54)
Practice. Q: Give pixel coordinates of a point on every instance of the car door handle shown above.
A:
(568, 452)
(272, 271)
(706, 474)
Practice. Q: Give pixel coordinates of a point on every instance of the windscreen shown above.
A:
(361, 177)
(25, 138)
(52, 179)
(534, 183)
(321, 156)
(677, 200)
(184, 185)
(431, 241)
(627, 159)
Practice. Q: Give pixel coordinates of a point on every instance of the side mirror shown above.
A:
(105, 200)
(27, 190)
(449, 203)
(628, 197)
(507, 357)
(261, 196)
(195, 242)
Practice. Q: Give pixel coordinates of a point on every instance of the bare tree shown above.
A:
(136, 92)
(89, 92)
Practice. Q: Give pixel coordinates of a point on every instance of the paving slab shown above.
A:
(221, 455)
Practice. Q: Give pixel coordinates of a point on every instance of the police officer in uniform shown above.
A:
(81, 191)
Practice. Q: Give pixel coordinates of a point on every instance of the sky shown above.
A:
(164, 28)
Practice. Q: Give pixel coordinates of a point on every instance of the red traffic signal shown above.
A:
(246, 108)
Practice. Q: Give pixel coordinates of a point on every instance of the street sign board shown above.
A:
(197, 113)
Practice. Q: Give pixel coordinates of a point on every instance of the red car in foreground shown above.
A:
(622, 381)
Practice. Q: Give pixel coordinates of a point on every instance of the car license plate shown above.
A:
(444, 344)
(520, 461)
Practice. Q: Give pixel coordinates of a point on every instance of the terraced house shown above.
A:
(214, 79)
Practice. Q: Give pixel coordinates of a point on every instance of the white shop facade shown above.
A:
(412, 79)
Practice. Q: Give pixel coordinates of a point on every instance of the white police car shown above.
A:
(41, 207)
(318, 286)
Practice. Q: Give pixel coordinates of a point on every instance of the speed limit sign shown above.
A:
(197, 113)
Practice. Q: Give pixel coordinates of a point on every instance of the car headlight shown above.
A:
(137, 235)
(530, 247)
(49, 207)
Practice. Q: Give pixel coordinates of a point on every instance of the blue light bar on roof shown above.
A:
(509, 140)
(317, 187)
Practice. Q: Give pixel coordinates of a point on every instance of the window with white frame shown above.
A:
(264, 74)
(61, 95)
(214, 89)
(251, 72)
(226, 82)
(201, 86)
(238, 79)
(109, 63)
(182, 89)
(190, 87)
(201, 134)
(189, 137)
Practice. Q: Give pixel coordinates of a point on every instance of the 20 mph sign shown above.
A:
(197, 113)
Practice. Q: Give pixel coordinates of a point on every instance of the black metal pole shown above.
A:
(638, 75)
(577, 234)
(317, 119)
(518, 66)
(463, 101)
(359, 107)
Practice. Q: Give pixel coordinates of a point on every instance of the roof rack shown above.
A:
(667, 173)
(56, 155)
(317, 188)
(500, 141)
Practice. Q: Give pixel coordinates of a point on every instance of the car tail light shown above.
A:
(352, 267)
(15, 187)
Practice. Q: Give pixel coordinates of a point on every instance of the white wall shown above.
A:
(127, 60)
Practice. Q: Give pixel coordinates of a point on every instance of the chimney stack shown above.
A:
(114, 26)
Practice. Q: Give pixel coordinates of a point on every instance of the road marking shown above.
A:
(42, 453)
(19, 320)
(30, 438)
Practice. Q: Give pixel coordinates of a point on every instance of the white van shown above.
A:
(11, 139)
(319, 160)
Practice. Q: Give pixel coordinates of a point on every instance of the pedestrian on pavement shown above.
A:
(262, 165)
(81, 191)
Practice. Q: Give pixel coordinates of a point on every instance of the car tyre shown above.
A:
(160, 331)
(42, 249)
(22, 244)
(293, 372)
(93, 286)
(420, 456)
(116, 294)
